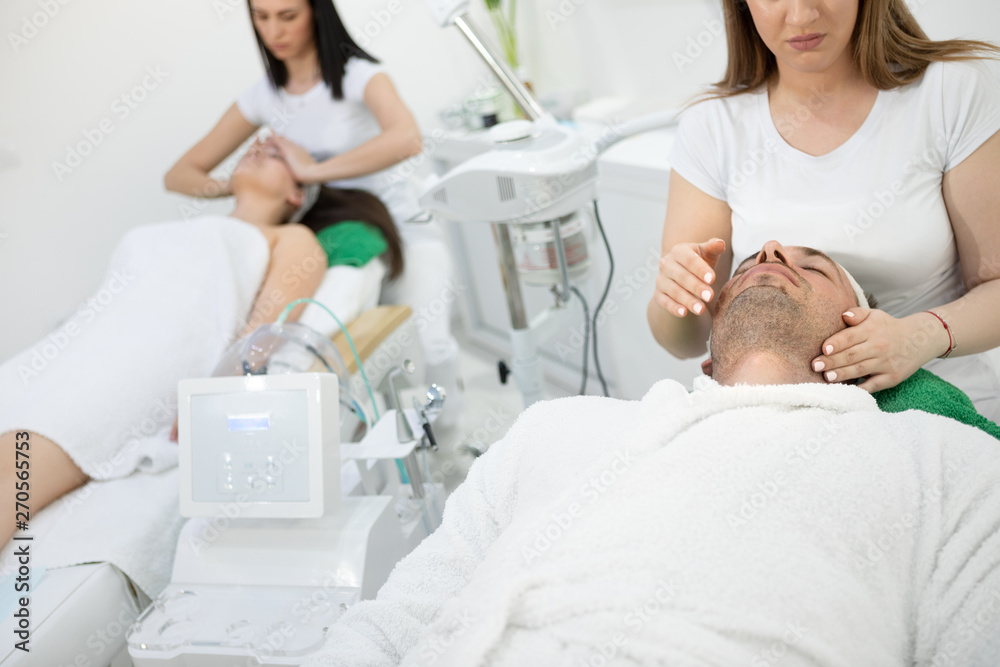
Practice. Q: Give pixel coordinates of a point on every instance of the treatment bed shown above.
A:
(102, 552)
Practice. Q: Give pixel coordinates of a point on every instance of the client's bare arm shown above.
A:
(297, 267)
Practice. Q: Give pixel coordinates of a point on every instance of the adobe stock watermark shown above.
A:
(496, 420)
(623, 290)
(883, 540)
(697, 44)
(379, 21)
(31, 25)
(983, 623)
(209, 531)
(883, 200)
(772, 655)
(559, 523)
(456, 625)
(105, 639)
(160, 415)
(765, 492)
(52, 346)
(788, 125)
(429, 312)
(406, 169)
(265, 306)
(635, 620)
(582, 166)
(562, 13)
(279, 120)
(122, 107)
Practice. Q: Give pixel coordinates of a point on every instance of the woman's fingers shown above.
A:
(711, 251)
(670, 305)
(878, 383)
(862, 368)
(686, 277)
(683, 287)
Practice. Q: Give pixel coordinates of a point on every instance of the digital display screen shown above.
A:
(249, 423)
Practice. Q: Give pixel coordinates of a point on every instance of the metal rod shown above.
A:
(562, 293)
(522, 96)
(508, 269)
(415, 475)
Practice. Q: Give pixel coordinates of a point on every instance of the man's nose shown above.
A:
(772, 252)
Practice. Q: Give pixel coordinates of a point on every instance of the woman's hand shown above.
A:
(684, 282)
(299, 160)
(881, 348)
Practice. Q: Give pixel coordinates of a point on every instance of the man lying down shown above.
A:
(767, 518)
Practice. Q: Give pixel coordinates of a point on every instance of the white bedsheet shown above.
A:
(104, 385)
(132, 522)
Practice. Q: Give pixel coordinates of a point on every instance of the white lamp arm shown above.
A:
(445, 11)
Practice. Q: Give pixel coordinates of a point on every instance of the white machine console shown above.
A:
(272, 439)
(273, 553)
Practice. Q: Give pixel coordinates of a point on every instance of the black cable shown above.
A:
(600, 304)
(586, 338)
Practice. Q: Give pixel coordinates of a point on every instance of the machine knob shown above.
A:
(504, 371)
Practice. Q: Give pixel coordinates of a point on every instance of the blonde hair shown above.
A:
(890, 48)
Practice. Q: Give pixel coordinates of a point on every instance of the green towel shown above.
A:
(925, 391)
(351, 243)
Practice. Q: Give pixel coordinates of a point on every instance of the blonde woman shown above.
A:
(840, 125)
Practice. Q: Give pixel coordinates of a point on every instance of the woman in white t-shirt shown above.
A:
(846, 129)
(338, 120)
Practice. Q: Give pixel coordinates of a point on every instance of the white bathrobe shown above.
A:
(792, 525)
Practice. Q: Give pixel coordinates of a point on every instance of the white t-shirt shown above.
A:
(327, 127)
(874, 203)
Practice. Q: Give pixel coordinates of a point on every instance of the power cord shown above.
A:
(600, 304)
(586, 338)
(357, 358)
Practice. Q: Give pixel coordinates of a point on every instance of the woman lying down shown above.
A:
(96, 398)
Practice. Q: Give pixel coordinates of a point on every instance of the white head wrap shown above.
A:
(858, 292)
(310, 193)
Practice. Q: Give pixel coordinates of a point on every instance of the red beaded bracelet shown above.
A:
(951, 338)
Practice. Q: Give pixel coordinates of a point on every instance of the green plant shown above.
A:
(505, 25)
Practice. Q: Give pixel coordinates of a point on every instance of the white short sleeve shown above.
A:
(971, 105)
(254, 102)
(357, 74)
(695, 155)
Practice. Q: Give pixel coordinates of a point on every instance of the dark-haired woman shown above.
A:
(100, 403)
(338, 121)
(839, 125)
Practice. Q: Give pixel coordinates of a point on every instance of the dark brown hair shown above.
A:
(336, 205)
(889, 48)
(334, 47)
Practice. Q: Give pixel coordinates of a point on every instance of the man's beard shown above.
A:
(764, 318)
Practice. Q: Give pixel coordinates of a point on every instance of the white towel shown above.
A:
(132, 523)
(792, 525)
(346, 290)
(104, 385)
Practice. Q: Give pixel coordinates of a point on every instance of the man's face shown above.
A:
(802, 273)
(783, 300)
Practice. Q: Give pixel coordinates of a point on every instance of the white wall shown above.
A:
(57, 230)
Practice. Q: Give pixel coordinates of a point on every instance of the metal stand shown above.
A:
(525, 362)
